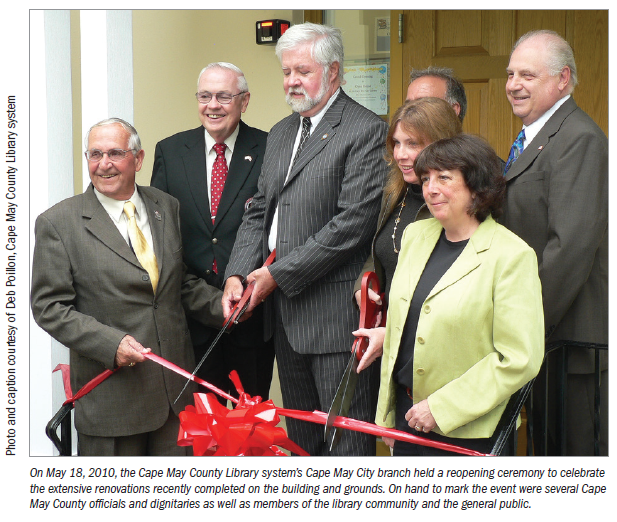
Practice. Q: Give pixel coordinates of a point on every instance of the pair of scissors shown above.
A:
(369, 312)
(232, 319)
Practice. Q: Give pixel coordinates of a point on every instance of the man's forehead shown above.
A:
(113, 131)
(428, 86)
(301, 55)
(219, 77)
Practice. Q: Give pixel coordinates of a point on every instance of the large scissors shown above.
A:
(369, 312)
(234, 317)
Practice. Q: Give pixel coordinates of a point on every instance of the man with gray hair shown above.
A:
(317, 204)
(557, 201)
(108, 284)
(438, 82)
(213, 171)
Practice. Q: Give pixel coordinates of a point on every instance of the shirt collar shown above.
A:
(230, 141)
(115, 208)
(532, 130)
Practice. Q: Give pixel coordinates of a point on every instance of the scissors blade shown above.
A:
(344, 394)
(346, 397)
(234, 317)
(337, 402)
(216, 340)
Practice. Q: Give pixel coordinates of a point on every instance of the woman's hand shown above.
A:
(375, 345)
(388, 441)
(420, 417)
(373, 296)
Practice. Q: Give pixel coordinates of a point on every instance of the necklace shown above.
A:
(397, 221)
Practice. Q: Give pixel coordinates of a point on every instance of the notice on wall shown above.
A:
(368, 85)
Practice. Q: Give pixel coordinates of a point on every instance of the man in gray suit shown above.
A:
(112, 287)
(317, 202)
(183, 167)
(557, 201)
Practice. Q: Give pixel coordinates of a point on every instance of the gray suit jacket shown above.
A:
(327, 212)
(557, 201)
(89, 290)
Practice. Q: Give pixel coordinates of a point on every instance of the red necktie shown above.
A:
(219, 174)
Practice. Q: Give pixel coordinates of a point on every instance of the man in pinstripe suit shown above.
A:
(317, 204)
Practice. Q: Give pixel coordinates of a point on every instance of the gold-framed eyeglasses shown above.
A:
(223, 98)
(113, 154)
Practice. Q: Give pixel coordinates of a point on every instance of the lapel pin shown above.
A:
(540, 147)
(248, 158)
(157, 215)
(324, 136)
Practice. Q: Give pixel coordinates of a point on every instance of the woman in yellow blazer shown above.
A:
(465, 324)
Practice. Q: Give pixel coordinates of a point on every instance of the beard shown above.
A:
(306, 103)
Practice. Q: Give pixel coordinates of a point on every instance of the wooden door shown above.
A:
(476, 44)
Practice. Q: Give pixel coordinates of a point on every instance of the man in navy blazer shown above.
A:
(557, 201)
(183, 165)
(317, 203)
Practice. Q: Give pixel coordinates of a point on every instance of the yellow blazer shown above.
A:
(480, 334)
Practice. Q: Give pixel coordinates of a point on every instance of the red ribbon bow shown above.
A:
(248, 430)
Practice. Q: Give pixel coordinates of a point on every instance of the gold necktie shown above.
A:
(142, 249)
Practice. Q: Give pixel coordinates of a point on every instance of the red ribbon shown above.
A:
(244, 410)
(250, 428)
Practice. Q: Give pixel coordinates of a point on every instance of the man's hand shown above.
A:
(232, 294)
(130, 352)
(264, 286)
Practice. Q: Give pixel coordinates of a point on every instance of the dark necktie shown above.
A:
(217, 183)
(515, 151)
(306, 132)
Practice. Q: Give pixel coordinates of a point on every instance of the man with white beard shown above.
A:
(317, 203)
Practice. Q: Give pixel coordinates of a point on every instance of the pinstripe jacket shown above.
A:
(327, 212)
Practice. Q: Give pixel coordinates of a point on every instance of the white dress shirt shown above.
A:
(115, 209)
(532, 130)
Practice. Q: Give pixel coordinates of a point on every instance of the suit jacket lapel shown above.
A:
(242, 161)
(322, 134)
(194, 158)
(100, 225)
(469, 259)
(534, 149)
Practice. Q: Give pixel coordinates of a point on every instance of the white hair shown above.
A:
(242, 84)
(134, 141)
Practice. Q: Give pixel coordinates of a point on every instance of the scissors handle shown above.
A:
(241, 306)
(369, 311)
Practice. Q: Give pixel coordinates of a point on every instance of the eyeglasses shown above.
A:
(112, 154)
(222, 97)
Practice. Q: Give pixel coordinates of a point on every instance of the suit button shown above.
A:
(420, 371)
(420, 340)
(145, 277)
(214, 241)
(156, 305)
(427, 309)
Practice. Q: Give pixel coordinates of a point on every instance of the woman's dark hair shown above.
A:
(480, 166)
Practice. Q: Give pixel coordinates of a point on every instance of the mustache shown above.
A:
(296, 90)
